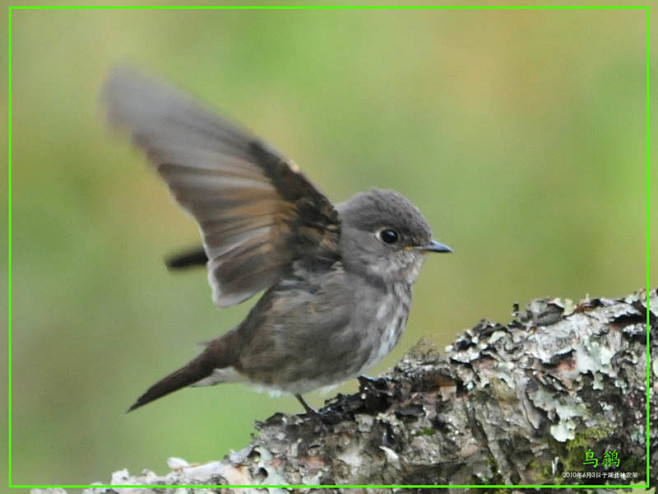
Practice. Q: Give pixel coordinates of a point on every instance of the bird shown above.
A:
(336, 279)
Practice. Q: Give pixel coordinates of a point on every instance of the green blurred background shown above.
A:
(520, 135)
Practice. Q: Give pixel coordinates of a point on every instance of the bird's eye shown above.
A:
(388, 236)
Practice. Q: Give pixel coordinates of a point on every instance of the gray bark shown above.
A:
(519, 403)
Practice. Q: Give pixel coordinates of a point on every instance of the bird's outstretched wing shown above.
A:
(256, 211)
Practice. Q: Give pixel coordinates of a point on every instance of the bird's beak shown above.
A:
(433, 246)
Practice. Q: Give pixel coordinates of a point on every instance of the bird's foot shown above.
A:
(366, 382)
(326, 416)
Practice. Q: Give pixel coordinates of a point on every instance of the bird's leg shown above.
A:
(309, 409)
(326, 416)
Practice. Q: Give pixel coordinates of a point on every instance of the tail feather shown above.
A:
(215, 356)
(176, 380)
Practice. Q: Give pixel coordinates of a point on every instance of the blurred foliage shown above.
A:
(519, 134)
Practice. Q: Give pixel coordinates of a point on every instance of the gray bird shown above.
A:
(337, 279)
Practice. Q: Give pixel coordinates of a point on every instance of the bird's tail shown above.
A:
(214, 357)
(184, 376)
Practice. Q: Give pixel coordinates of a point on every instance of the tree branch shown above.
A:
(520, 403)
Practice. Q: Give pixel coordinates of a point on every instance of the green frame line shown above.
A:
(648, 355)
(9, 247)
(331, 486)
(316, 7)
(329, 7)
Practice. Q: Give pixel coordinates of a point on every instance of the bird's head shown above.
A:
(384, 236)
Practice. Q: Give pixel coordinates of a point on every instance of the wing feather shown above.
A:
(256, 212)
